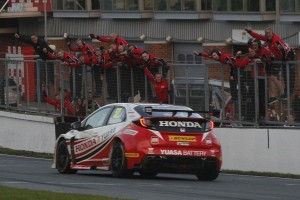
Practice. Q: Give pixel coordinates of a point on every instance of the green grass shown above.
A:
(8, 193)
(25, 153)
(269, 174)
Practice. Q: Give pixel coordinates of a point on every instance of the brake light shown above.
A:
(209, 126)
(144, 122)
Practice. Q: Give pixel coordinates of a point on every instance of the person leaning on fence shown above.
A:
(225, 59)
(281, 52)
(113, 38)
(266, 56)
(251, 58)
(38, 44)
(57, 101)
(153, 63)
(160, 86)
(84, 48)
(98, 71)
(111, 74)
(70, 61)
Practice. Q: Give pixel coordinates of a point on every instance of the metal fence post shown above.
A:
(118, 84)
(38, 85)
(256, 95)
(62, 106)
(132, 84)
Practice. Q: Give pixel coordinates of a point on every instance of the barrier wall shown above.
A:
(27, 132)
(262, 150)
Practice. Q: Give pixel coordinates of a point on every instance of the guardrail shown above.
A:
(31, 85)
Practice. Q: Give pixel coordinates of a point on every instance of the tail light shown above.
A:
(144, 122)
(209, 126)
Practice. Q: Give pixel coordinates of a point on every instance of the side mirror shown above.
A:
(76, 125)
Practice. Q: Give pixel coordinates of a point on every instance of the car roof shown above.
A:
(153, 105)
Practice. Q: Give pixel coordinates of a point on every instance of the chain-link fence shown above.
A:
(249, 96)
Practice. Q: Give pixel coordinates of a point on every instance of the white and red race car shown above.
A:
(145, 138)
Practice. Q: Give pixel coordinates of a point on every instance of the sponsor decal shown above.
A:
(86, 144)
(183, 143)
(175, 138)
(132, 155)
(182, 152)
(182, 129)
(130, 132)
(180, 124)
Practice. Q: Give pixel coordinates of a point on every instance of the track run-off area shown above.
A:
(37, 174)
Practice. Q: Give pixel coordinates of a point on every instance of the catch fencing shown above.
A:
(51, 88)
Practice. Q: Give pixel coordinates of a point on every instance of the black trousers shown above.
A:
(78, 81)
(98, 83)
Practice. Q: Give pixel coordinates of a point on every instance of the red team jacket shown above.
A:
(68, 57)
(161, 88)
(276, 45)
(67, 103)
(87, 50)
(119, 41)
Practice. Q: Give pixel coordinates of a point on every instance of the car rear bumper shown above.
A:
(178, 164)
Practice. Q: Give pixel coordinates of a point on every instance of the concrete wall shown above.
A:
(262, 150)
(27, 132)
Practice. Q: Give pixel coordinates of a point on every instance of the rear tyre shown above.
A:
(119, 161)
(63, 159)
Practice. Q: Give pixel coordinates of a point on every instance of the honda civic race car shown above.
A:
(144, 138)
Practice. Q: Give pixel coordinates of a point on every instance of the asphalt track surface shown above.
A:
(37, 174)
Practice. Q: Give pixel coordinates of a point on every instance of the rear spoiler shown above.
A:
(149, 111)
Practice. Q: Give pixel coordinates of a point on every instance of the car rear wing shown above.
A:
(208, 114)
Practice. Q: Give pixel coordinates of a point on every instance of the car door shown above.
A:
(91, 143)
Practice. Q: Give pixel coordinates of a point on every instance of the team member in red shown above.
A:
(71, 61)
(113, 38)
(274, 43)
(225, 59)
(97, 71)
(280, 50)
(84, 48)
(57, 102)
(160, 86)
(153, 63)
(266, 56)
(251, 58)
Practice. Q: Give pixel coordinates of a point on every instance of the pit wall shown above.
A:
(245, 149)
(260, 150)
(27, 132)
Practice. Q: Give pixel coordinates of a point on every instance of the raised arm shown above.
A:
(256, 35)
(149, 74)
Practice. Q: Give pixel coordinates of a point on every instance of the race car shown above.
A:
(145, 138)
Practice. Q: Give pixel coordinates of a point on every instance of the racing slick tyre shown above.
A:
(148, 174)
(63, 159)
(119, 161)
(208, 173)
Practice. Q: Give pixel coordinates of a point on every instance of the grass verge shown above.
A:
(25, 153)
(25, 194)
(268, 174)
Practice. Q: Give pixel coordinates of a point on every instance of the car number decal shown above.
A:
(117, 113)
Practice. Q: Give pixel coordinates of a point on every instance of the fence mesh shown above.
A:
(53, 88)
